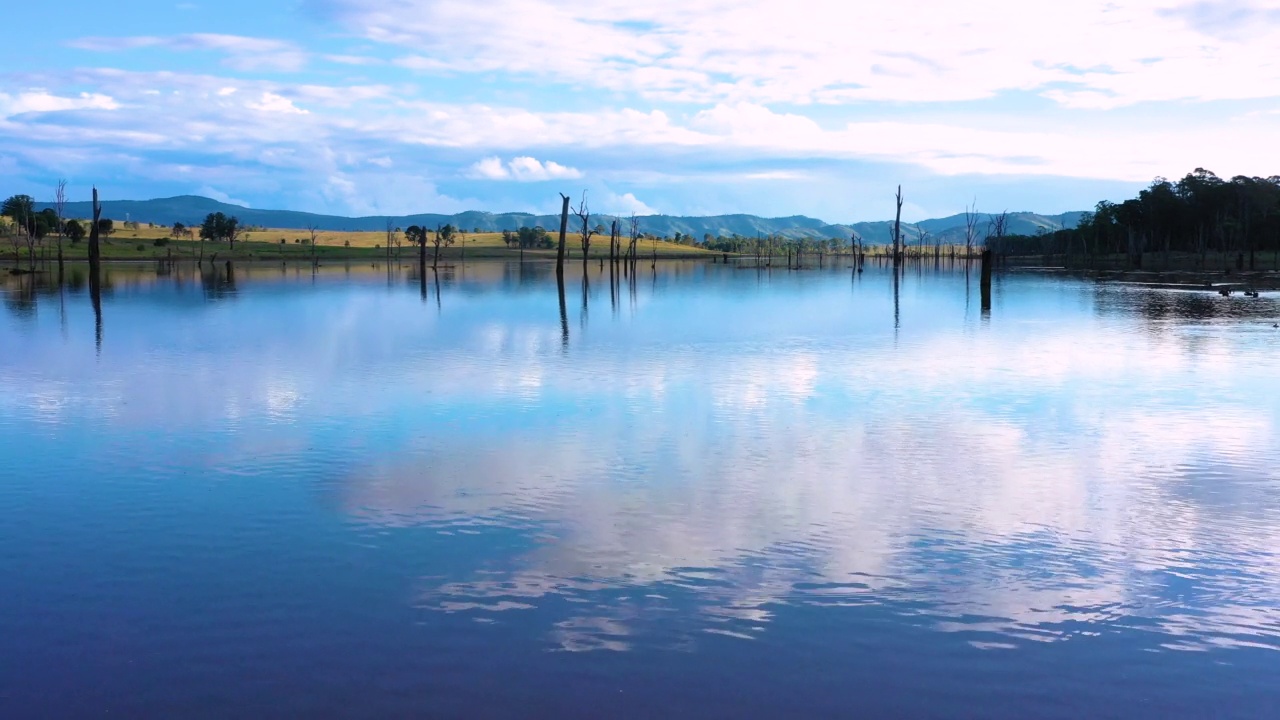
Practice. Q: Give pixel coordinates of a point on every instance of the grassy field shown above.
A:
(285, 244)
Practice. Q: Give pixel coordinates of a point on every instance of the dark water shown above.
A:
(713, 493)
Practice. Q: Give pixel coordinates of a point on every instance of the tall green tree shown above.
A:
(19, 208)
(75, 231)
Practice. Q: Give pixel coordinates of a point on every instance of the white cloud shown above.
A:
(242, 53)
(521, 169)
(834, 51)
(626, 204)
(216, 194)
(490, 168)
(359, 60)
(242, 117)
(42, 101)
(271, 102)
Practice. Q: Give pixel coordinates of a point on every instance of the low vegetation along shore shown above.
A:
(153, 242)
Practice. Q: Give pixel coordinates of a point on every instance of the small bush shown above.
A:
(160, 242)
(346, 243)
(140, 247)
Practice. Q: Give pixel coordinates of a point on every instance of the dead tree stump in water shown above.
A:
(564, 229)
(987, 261)
(95, 252)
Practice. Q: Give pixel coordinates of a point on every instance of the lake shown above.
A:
(701, 492)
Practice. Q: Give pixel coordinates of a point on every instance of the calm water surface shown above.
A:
(710, 493)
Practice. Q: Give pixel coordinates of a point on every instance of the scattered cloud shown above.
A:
(241, 53)
(363, 60)
(42, 101)
(216, 194)
(271, 102)
(775, 175)
(521, 169)
(1231, 19)
(626, 204)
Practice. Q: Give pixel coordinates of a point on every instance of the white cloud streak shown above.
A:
(241, 53)
(521, 169)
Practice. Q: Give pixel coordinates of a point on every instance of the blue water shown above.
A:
(708, 493)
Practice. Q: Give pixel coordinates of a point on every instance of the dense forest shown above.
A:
(1195, 218)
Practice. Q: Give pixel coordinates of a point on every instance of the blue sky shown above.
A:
(811, 107)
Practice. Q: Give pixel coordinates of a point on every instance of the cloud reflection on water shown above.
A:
(1089, 461)
(1023, 488)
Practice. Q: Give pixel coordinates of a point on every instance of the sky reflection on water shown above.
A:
(714, 453)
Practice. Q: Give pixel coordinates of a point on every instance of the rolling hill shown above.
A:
(191, 209)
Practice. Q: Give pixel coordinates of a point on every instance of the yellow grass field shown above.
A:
(378, 239)
(129, 243)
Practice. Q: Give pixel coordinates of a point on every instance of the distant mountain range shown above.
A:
(191, 209)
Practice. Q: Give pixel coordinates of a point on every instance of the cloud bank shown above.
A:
(694, 107)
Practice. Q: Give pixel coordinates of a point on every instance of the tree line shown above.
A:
(1194, 216)
(26, 227)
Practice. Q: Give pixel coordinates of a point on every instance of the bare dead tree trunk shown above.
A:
(95, 269)
(390, 239)
(897, 229)
(95, 252)
(564, 230)
(584, 214)
(60, 202)
(970, 228)
(435, 258)
(635, 239)
(613, 261)
(985, 281)
(614, 240)
(996, 228)
(564, 315)
(312, 230)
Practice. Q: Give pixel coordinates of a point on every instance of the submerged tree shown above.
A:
(60, 206)
(313, 232)
(584, 214)
(418, 236)
(633, 232)
(444, 237)
(970, 227)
